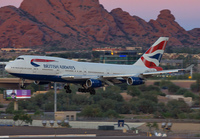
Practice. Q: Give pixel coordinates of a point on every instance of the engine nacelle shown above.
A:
(135, 81)
(40, 83)
(93, 83)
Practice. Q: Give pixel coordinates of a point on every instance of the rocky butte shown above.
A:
(85, 24)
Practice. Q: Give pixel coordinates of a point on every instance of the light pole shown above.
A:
(55, 100)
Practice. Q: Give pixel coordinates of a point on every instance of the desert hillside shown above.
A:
(85, 24)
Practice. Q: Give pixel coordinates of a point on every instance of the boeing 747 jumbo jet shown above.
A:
(44, 69)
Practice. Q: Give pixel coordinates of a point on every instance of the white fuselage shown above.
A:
(51, 68)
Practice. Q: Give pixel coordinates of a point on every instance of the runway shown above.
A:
(69, 133)
(95, 137)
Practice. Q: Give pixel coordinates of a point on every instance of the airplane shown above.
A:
(45, 69)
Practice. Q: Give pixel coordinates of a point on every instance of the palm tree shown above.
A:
(149, 125)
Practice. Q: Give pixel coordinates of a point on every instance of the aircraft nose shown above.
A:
(8, 68)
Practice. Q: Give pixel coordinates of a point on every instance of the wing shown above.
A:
(112, 79)
(162, 72)
(4, 63)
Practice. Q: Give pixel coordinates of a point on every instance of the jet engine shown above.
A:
(135, 81)
(93, 83)
(40, 83)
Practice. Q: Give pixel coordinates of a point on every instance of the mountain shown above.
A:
(85, 24)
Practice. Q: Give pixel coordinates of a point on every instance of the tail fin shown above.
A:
(152, 57)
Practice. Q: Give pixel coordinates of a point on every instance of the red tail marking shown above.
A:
(160, 46)
(150, 65)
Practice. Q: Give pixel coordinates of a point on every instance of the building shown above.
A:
(175, 63)
(117, 55)
(66, 115)
(187, 100)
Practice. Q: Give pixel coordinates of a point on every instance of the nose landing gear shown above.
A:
(22, 86)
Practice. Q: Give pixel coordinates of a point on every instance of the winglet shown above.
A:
(189, 68)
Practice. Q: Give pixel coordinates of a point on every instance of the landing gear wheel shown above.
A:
(69, 91)
(82, 90)
(92, 91)
(67, 88)
(22, 86)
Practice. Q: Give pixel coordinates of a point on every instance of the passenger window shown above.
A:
(19, 58)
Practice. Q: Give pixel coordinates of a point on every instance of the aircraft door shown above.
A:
(35, 70)
(57, 71)
(107, 71)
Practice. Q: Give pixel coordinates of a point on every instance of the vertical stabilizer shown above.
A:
(152, 57)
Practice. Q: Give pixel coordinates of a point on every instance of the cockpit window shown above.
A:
(19, 58)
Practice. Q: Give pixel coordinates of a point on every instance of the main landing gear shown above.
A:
(84, 89)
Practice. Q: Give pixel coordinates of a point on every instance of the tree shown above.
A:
(1, 105)
(10, 108)
(133, 91)
(176, 107)
(22, 116)
(181, 91)
(155, 125)
(38, 112)
(91, 111)
(1, 90)
(96, 98)
(189, 94)
(145, 106)
(153, 88)
(34, 87)
(149, 125)
(142, 88)
(186, 93)
(194, 87)
(111, 114)
(173, 88)
(156, 83)
(151, 95)
(107, 104)
(152, 125)
(111, 92)
(39, 99)
(123, 107)
(79, 99)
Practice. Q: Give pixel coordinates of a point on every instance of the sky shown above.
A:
(186, 12)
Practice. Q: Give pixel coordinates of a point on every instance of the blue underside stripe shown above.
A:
(37, 77)
(49, 78)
